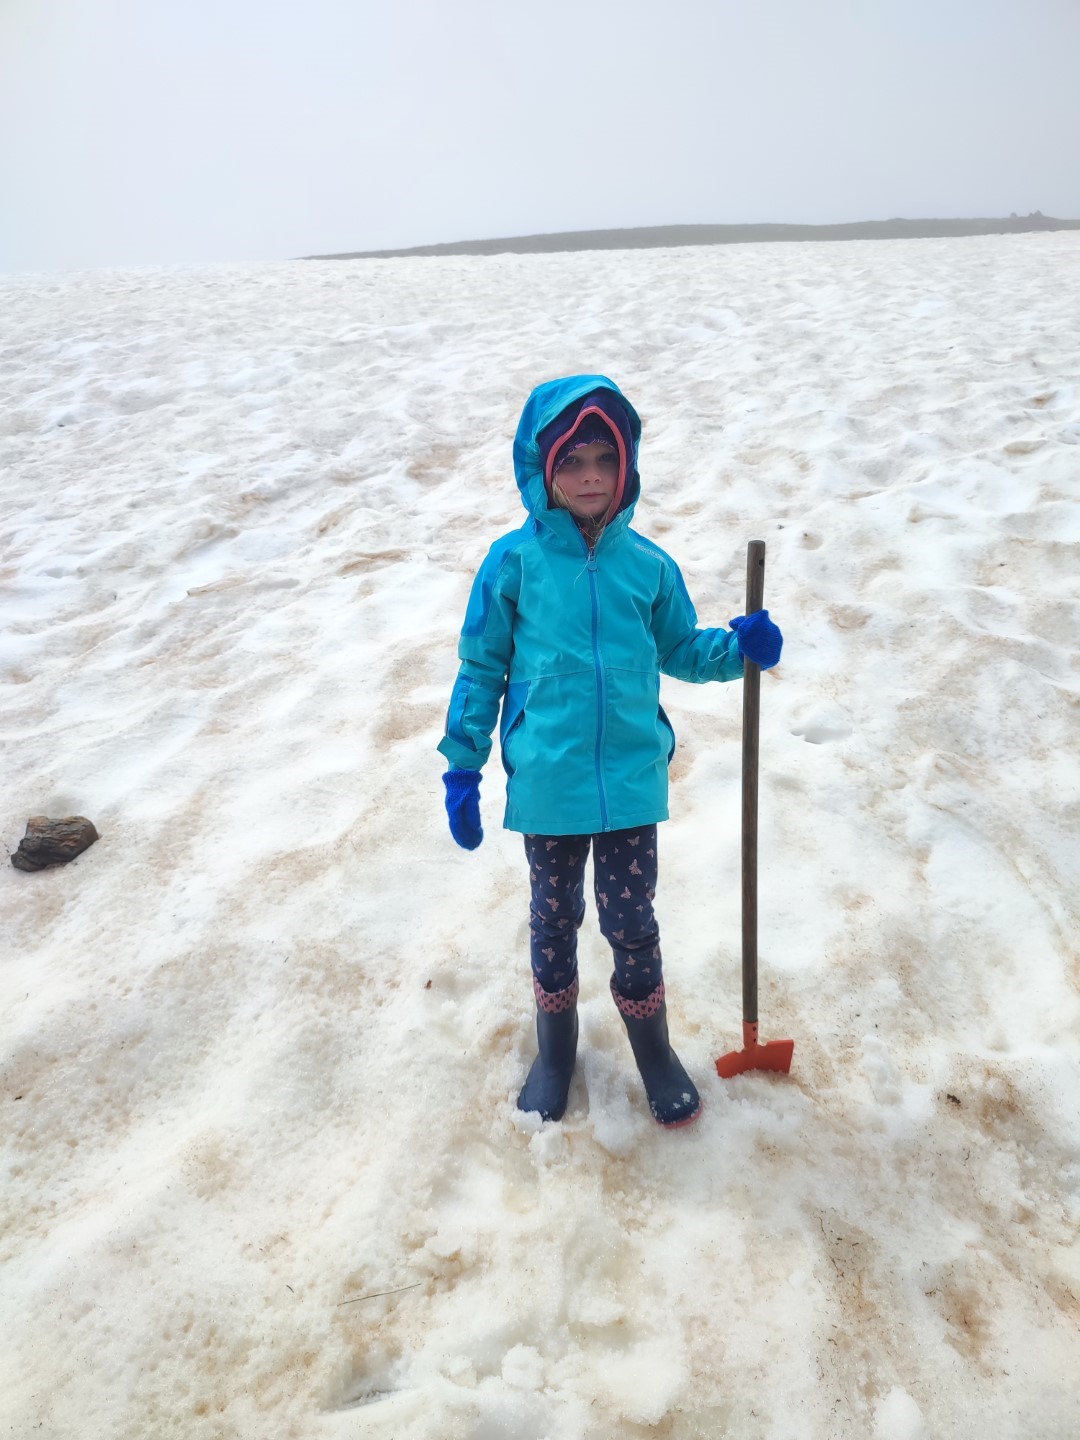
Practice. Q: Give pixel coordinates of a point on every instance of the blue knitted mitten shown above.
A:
(463, 807)
(759, 639)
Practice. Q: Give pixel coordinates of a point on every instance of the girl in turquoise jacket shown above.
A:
(569, 625)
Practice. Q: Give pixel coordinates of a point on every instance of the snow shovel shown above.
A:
(774, 1054)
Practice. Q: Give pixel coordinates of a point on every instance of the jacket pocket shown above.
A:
(666, 725)
(637, 742)
(513, 715)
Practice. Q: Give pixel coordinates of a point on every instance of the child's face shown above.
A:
(587, 479)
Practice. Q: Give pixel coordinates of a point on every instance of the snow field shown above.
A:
(260, 1044)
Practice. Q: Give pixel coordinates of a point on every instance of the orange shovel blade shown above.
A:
(773, 1055)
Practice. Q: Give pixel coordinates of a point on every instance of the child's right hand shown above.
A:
(463, 807)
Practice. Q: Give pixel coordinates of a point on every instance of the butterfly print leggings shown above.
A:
(624, 882)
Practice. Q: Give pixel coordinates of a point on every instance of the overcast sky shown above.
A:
(164, 131)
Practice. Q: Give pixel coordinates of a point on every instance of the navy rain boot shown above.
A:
(673, 1097)
(548, 1083)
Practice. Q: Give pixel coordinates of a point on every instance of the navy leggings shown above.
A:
(624, 881)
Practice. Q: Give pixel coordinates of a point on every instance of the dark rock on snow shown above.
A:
(53, 842)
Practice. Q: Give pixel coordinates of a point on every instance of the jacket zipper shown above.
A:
(601, 694)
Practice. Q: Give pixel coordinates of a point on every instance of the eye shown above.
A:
(609, 458)
(571, 462)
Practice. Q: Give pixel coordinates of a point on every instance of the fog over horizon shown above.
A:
(146, 134)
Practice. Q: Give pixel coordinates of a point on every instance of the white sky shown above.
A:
(146, 131)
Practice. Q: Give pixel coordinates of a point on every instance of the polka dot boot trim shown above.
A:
(554, 1002)
(639, 1009)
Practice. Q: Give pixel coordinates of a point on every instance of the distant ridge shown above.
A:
(651, 236)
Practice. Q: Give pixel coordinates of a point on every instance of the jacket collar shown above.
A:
(560, 524)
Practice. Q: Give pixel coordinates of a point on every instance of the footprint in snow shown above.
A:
(821, 728)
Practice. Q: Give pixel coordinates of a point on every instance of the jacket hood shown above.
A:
(550, 415)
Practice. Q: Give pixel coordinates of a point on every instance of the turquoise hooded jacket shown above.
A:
(571, 642)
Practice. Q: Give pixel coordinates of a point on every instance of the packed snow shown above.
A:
(263, 1175)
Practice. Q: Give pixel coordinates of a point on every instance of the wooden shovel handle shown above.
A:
(755, 594)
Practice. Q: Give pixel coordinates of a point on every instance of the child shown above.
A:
(570, 622)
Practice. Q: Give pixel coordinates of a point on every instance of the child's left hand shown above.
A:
(759, 639)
